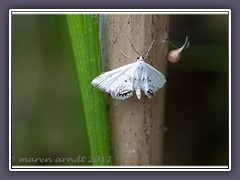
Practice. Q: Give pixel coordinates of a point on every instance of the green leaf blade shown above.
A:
(83, 30)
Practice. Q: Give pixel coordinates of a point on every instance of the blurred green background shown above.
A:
(47, 117)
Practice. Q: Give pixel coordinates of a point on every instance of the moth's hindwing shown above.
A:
(152, 80)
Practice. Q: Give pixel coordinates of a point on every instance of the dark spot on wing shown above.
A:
(150, 93)
(125, 94)
(140, 68)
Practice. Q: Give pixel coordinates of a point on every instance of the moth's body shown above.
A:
(123, 81)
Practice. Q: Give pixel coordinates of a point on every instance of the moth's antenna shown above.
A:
(126, 55)
(134, 48)
(146, 53)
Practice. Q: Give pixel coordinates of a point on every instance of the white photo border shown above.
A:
(120, 11)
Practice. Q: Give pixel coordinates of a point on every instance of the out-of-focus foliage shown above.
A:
(197, 93)
(47, 116)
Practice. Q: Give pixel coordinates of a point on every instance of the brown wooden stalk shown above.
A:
(136, 126)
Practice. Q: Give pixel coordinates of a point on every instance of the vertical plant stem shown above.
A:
(84, 37)
(136, 125)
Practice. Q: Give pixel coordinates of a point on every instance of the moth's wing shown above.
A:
(105, 80)
(152, 80)
(123, 88)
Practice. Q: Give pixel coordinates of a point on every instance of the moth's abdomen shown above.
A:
(138, 92)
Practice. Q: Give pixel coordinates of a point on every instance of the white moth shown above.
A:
(137, 76)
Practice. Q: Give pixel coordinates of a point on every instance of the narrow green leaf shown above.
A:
(83, 30)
